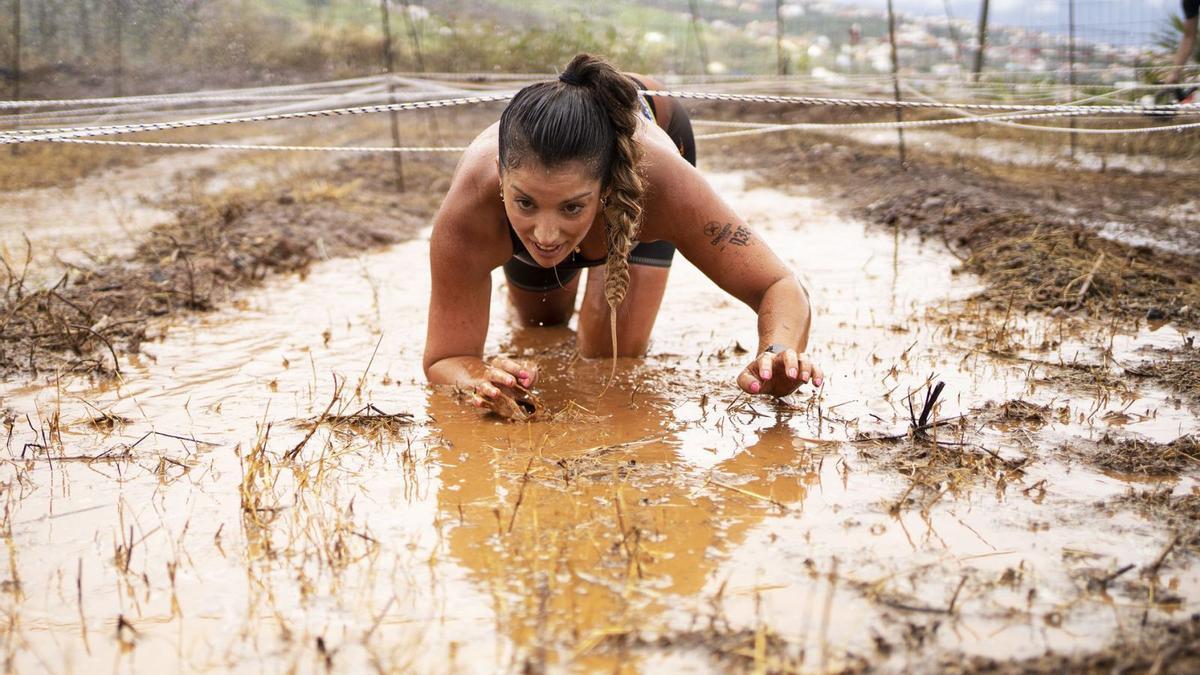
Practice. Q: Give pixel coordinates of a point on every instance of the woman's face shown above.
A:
(550, 210)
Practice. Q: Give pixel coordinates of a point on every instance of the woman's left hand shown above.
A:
(779, 374)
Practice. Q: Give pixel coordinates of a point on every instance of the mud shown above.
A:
(1171, 648)
(197, 262)
(271, 485)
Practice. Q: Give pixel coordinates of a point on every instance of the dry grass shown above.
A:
(1070, 268)
(42, 165)
(1133, 456)
(1180, 371)
(1179, 514)
(1021, 413)
(214, 247)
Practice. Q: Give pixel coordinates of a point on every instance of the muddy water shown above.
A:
(671, 523)
(108, 213)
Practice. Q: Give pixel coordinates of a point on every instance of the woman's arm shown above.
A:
(463, 250)
(714, 238)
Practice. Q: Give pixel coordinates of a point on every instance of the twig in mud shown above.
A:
(748, 493)
(337, 394)
(1111, 577)
(931, 397)
(520, 495)
(1162, 557)
(370, 362)
(105, 420)
(1087, 283)
(826, 610)
(368, 415)
(924, 427)
(954, 598)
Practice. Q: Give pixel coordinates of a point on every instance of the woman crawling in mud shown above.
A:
(583, 172)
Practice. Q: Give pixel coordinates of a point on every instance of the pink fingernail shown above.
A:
(818, 381)
(804, 376)
(754, 387)
(766, 374)
(524, 375)
(792, 373)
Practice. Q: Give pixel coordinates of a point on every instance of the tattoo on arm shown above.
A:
(724, 234)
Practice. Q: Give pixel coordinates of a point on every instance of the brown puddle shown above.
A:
(671, 523)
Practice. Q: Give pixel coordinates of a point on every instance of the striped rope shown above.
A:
(1020, 112)
(237, 94)
(889, 104)
(30, 136)
(280, 148)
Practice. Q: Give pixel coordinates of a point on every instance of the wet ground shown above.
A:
(109, 212)
(191, 515)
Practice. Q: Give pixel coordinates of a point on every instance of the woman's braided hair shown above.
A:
(589, 114)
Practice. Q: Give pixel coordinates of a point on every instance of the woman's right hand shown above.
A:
(503, 374)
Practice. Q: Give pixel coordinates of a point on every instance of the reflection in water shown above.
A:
(598, 527)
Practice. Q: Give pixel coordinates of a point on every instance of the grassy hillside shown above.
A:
(146, 45)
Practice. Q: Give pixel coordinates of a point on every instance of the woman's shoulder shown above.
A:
(671, 184)
(477, 169)
(471, 213)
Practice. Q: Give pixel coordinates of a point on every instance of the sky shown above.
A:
(1125, 21)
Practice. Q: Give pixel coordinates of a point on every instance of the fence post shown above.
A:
(389, 62)
(953, 34)
(16, 61)
(781, 64)
(896, 82)
(118, 9)
(699, 37)
(982, 40)
(1071, 71)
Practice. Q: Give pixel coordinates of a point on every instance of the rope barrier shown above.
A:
(754, 129)
(999, 121)
(237, 93)
(746, 129)
(284, 148)
(113, 113)
(1017, 112)
(884, 103)
(8, 138)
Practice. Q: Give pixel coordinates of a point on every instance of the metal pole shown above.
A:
(389, 62)
(781, 64)
(119, 37)
(982, 37)
(412, 34)
(16, 61)
(896, 81)
(953, 34)
(1071, 72)
(415, 36)
(699, 38)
